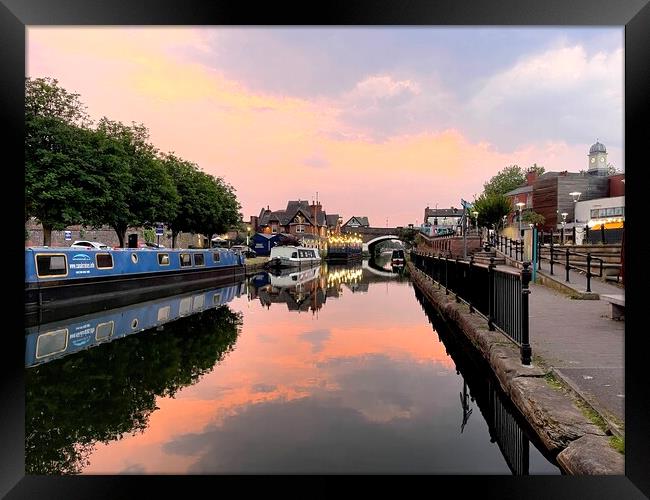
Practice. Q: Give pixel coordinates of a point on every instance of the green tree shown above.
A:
(207, 204)
(506, 180)
(491, 209)
(62, 180)
(531, 217)
(536, 168)
(144, 193)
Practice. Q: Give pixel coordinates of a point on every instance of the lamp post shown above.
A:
(520, 206)
(475, 215)
(576, 197)
(563, 214)
(248, 235)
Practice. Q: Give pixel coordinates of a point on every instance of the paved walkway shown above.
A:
(579, 340)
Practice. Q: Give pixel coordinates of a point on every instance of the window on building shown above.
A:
(300, 228)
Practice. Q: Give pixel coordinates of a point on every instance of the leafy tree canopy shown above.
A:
(509, 178)
(491, 209)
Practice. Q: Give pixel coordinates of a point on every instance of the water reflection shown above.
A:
(359, 385)
(45, 342)
(104, 394)
(506, 426)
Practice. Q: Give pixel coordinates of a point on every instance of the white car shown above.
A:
(90, 245)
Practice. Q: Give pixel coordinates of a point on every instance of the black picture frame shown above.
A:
(634, 15)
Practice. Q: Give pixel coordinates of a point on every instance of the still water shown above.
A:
(325, 370)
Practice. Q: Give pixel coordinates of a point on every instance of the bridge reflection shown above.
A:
(506, 426)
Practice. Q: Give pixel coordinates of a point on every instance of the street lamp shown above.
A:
(520, 206)
(248, 235)
(563, 214)
(475, 215)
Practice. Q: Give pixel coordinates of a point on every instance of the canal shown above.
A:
(342, 369)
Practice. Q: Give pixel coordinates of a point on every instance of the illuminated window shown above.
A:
(51, 343)
(163, 259)
(185, 259)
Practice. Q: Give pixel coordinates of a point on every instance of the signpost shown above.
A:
(67, 235)
(159, 232)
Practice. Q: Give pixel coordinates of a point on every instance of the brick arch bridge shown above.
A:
(373, 235)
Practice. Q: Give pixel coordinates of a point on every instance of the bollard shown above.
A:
(586, 233)
(567, 265)
(574, 235)
(491, 297)
(526, 351)
(588, 271)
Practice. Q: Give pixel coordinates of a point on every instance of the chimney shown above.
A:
(530, 178)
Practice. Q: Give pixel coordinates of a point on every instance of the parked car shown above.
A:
(90, 245)
(247, 251)
(150, 245)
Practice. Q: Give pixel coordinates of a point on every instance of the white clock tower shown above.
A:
(597, 159)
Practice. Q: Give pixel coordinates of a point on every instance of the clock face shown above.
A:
(602, 159)
(593, 160)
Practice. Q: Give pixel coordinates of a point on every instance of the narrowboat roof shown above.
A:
(104, 250)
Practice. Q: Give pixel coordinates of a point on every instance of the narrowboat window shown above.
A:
(216, 256)
(51, 265)
(163, 259)
(199, 260)
(104, 330)
(51, 343)
(294, 255)
(163, 313)
(301, 253)
(199, 301)
(104, 261)
(216, 298)
(134, 323)
(594, 213)
(185, 306)
(134, 258)
(185, 259)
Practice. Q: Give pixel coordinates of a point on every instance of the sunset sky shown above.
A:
(381, 122)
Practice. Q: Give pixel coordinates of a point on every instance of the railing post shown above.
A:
(526, 351)
(586, 233)
(446, 271)
(602, 233)
(510, 240)
(470, 286)
(567, 265)
(551, 254)
(491, 294)
(574, 234)
(456, 280)
(588, 271)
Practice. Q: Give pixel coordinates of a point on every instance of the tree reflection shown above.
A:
(101, 394)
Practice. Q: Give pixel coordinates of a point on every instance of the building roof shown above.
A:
(443, 212)
(520, 190)
(597, 147)
(285, 217)
(362, 220)
(332, 219)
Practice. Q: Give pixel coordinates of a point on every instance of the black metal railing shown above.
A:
(506, 246)
(562, 256)
(499, 295)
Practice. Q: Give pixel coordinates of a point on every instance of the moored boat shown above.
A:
(293, 256)
(397, 258)
(65, 276)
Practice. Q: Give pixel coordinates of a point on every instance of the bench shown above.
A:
(618, 305)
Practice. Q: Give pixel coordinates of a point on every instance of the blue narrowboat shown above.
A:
(59, 277)
(60, 338)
